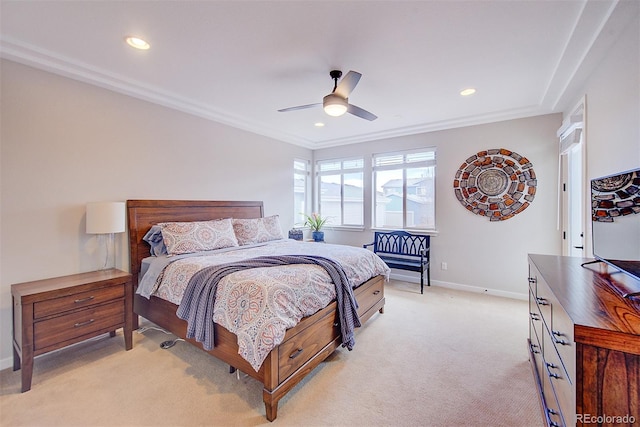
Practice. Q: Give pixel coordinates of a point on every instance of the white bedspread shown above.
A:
(260, 304)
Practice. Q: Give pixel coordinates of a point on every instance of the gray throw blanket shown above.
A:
(196, 306)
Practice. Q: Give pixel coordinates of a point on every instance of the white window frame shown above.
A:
(301, 168)
(404, 162)
(342, 171)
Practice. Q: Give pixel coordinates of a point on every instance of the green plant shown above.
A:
(314, 221)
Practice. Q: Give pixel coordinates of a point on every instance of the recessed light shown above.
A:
(137, 42)
(319, 124)
(467, 92)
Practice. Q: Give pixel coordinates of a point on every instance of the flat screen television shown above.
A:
(615, 202)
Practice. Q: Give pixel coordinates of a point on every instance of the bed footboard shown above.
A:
(304, 347)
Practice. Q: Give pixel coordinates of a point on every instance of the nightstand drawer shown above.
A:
(60, 329)
(75, 301)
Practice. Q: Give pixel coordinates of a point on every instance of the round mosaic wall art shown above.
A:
(496, 183)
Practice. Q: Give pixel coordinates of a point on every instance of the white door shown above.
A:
(572, 148)
(575, 187)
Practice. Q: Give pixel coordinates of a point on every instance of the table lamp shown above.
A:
(105, 219)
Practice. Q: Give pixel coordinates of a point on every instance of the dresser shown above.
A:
(54, 313)
(584, 342)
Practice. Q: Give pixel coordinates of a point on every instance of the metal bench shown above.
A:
(404, 251)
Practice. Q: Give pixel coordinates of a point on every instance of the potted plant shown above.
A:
(315, 223)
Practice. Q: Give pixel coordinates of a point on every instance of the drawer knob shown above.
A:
(80, 301)
(376, 292)
(80, 324)
(295, 354)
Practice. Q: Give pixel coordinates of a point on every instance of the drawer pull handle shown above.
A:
(295, 354)
(376, 292)
(80, 324)
(79, 301)
(534, 316)
(561, 342)
(532, 280)
(554, 424)
(551, 365)
(552, 412)
(554, 375)
(542, 301)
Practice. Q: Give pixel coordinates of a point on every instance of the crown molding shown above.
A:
(57, 64)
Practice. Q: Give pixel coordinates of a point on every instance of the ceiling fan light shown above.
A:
(334, 105)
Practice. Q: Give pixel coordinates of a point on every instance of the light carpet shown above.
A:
(445, 358)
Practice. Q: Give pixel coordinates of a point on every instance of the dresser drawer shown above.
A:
(368, 295)
(76, 324)
(301, 347)
(559, 381)
(563, 340)
(71, 302)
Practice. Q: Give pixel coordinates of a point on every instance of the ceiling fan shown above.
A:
(337, 102)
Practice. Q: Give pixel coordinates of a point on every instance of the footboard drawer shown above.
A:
(368, 295)
(298, 349)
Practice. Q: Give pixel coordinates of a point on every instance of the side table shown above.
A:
(54, 313)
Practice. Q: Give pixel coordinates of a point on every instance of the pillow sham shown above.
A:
(155, 240)
(196, 236)
(257, 230)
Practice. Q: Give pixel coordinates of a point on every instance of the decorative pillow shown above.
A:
(155, 240)
(257, 230)
(196, 236)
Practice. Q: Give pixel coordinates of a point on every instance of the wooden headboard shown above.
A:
(142, 214)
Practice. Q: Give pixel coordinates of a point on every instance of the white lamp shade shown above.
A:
(105, 217)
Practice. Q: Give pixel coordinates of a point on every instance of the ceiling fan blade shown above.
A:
(364, 114)
(347, 84)
(299, 107)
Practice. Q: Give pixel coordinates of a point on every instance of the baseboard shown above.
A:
(466, 288)
(6, 363)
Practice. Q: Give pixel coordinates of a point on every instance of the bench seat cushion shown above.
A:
(402, 263)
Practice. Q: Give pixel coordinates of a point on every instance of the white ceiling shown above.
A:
(238, 62)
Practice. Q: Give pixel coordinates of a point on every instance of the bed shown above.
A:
(304, 346)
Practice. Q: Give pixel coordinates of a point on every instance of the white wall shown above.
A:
(66, 143)
(480, 255)
(612, 95)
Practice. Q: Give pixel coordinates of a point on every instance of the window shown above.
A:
(404, 190)
(341, 193)
(301, 193)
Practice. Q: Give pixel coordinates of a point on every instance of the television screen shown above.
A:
(615, 202)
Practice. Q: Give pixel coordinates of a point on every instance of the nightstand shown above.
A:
(54, 313)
